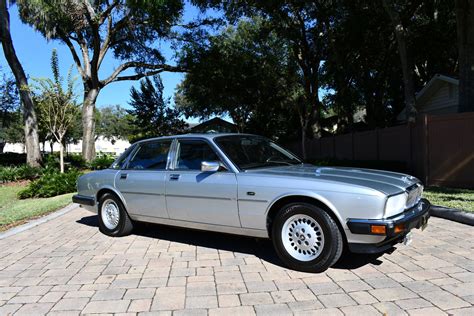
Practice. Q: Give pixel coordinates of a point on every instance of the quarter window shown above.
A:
(119, 163)
(151, 156)
(192, 152)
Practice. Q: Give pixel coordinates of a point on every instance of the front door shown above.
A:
(203, 197)
(142, 181)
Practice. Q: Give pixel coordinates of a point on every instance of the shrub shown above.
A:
(23, 172)
(9, 159)
(75, 160)
(51, 184)
(51, 162)
(103, 161)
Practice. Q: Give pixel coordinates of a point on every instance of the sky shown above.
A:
(34, 52)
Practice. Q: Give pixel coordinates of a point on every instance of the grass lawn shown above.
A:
(14, 211)
(461, 199)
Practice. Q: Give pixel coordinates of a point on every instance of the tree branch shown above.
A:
(107, 12)
(154, 69)
(75, 57)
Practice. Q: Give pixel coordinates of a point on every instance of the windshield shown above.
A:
(248, 152)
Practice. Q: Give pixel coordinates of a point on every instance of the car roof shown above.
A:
(209, 136)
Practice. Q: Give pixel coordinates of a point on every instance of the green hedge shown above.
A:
(12, 159)
(102, 161)
(50, 184)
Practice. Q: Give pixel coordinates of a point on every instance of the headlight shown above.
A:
(395, 204)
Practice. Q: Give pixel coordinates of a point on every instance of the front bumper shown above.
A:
(83, 200)
(396, 227)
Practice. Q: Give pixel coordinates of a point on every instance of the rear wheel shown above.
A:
(113, 218)
(306, 238)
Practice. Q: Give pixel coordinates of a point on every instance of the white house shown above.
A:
(439, 96)
(101, 145)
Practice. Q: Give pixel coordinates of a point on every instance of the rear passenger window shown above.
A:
(151, 156)
(192, 152)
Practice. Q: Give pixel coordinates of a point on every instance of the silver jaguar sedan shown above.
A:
(247, 185)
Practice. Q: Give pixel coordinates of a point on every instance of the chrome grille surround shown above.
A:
(414, 193)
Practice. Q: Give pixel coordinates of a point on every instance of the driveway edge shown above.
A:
(38, 221)
(453, 215)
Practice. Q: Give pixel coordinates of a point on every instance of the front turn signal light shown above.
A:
(399, 228)
(378, 229)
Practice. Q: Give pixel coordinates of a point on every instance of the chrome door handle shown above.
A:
(174, 177)
(123, 176)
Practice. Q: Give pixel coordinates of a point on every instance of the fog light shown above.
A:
(378, 229)
(399, 228)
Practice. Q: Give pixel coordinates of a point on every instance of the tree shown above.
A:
(465, 28)
(57, 105)
(9, 105)
(91, 29)
(152, 114)
(33, 154)
(406, 58)
(363, 70)
(304, 24)
(113, 122)
(244, 72)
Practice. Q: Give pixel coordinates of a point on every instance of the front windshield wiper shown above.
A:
(267, 164)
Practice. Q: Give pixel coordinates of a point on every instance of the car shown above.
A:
(248, 185)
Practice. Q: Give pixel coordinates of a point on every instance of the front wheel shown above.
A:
(306, 238)
(113, 218)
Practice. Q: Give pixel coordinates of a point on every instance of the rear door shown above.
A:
(196, 196)
(142, 181)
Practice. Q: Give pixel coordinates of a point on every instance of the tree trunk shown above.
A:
(33, 153)
(406, 62)
(303, 142)
(61, 156)
(465, 29)
(88, 124)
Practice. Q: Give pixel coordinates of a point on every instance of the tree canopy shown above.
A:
(243, 72)
(152, 114)
(132, 30)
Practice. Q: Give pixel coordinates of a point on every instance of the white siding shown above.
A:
(443, 101)
(101, 145)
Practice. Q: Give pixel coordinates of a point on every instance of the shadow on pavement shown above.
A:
(261, 248)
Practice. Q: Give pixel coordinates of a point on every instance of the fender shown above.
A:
(114, 190)
(309, 194)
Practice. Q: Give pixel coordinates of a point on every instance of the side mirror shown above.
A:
(210, 166)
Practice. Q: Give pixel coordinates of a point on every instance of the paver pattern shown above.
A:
(66, 266)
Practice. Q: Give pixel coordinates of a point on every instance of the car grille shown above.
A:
(414, 195)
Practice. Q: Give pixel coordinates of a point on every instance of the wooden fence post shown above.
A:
(426, 152)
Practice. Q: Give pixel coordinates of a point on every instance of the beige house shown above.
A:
(439, 96)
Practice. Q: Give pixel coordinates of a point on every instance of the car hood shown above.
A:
(384, 181)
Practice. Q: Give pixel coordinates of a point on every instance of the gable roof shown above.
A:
(214, 121)
(430, 88)
(433, 85)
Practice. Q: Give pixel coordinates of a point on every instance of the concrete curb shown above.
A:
(38, 221)
(453, 215)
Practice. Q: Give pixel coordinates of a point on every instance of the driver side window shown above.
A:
(192, 152)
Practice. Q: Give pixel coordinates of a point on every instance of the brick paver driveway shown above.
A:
(65, 266)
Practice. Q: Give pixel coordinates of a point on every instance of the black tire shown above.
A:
(333, 239)
(125, 224)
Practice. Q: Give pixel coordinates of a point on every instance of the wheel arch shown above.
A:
(318, 201)
(112, 190)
